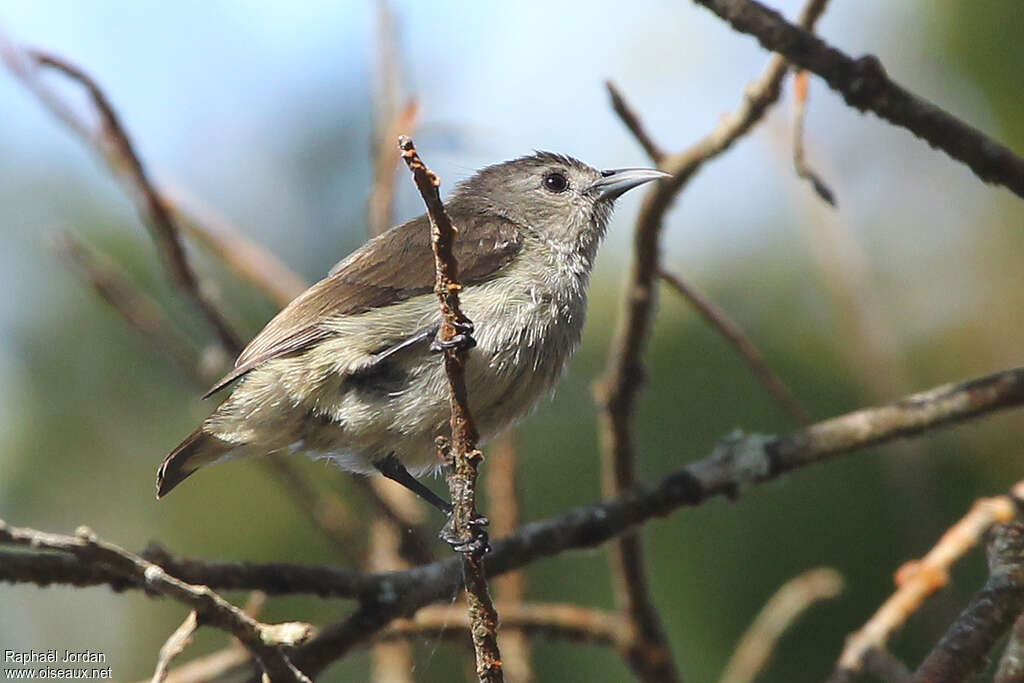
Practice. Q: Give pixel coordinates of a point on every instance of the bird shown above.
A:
(348, 370)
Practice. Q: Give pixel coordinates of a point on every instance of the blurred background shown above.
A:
(264, 111)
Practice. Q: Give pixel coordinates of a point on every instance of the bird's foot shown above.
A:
(462, 339)
(475, 539)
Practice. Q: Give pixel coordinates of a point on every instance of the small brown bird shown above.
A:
(346, 370)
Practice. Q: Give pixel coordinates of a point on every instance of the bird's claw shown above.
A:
(475, 541)
(463, 339)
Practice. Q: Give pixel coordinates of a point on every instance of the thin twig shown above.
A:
(803, 169)
(632, 121)
(115, 145)
(113, 285)
(555, 620)
(963, 649)
(864, 85)
(918, 580)
(723, 324)
(175, 645)
(791, 600)
(510, 589)
(619, 388)
(264, 641)
(464, 453)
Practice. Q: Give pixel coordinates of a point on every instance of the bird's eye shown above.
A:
(556, 182)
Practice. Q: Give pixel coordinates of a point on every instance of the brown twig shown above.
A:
(803, 169)
(264, 641)
(738, 461)
(619, 388)
(510, 589)
(864, 85)
(113, 142)
(963, 649)
(555, 620)
(791, 600)
(723, 324)
(175, 645)
(464, 454)
(140, 312)
(632, 121)
(918, 580)
(249, 260)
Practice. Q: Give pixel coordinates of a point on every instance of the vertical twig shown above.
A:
(803, 169)
(464, 454)
(619, 388)
(510, 588)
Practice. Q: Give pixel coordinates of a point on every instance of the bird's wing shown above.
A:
(392, 267)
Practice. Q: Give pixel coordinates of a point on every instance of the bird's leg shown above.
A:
(392, 468)
(463, 338)
(474, 538)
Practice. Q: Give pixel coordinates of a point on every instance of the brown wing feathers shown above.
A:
(393, 267)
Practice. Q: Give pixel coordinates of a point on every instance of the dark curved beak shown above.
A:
(614, 183)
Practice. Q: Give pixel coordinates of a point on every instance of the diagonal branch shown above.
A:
(264, 641)
(113, 141)
(720, 321)
(918, 580)
(865, 86)
(464, 454)
(619, 388)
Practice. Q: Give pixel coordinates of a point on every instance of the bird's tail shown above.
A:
(198, 449)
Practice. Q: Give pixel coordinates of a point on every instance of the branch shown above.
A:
(791, 600)
(720, 322)
(963, 649)
(175, 645)
(619, 388)
(918, 580)
(113, 142)
(1011, 664)
(803, 169)
(264, 641)
(548, 620)
(738, 461)
(864, 85)
(464, 453)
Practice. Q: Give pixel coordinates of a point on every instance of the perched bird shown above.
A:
(346, 370)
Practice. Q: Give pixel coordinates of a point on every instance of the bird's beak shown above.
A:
(614, 183)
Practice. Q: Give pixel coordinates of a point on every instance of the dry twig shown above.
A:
(175, 645)
(918, 580)
(619, 388)
(723, 324)
(803, 169)
(264, 641)
(963, 649)
(865, 86)
(464, 454)
(791, 600)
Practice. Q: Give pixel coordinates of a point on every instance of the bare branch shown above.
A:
(791, 600)
(720, 321)
(264, 641)
(963, 649)
(554, 620)
(175, 645)
(1011, 664)
(115, 146)
(619, 388)
(865, 86)
(464, 453)
(631, 120)
(803, 169)
(918, 580)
